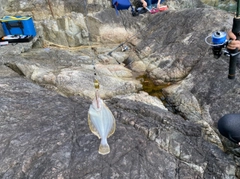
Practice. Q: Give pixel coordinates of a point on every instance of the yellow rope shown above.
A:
(13, 18)
(49, 44)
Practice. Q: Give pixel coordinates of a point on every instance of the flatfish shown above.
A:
(101, 122)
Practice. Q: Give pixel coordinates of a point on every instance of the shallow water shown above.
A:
(151, 88)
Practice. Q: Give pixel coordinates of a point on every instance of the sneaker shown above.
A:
(153, 11)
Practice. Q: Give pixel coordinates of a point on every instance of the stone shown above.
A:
(46, 92)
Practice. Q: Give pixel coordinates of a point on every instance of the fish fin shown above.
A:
(92, 128)
(114, 122)
(113, 128)
(104, 149)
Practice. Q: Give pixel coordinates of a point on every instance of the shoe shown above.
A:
(153, 11)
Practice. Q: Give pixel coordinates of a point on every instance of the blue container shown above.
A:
(18, 25)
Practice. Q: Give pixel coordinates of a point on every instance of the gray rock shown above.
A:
(46, 93)
(45, 135)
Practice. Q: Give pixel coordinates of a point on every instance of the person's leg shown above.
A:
(149, 3)
(229, 127)
(154, 2)
(162, 1)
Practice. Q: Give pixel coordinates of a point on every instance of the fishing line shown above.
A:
(95, 81)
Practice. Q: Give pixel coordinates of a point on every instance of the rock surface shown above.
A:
(47, 88)
(45, 135)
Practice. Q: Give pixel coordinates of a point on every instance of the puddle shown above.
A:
(156, 90)
(151, 88)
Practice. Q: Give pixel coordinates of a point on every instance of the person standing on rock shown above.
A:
(229, 126)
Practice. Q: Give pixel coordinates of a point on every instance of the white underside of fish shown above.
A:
(102, 123)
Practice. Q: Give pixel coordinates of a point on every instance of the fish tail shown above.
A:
(104, 147)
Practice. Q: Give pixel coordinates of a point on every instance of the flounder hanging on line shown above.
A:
(101, 122)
